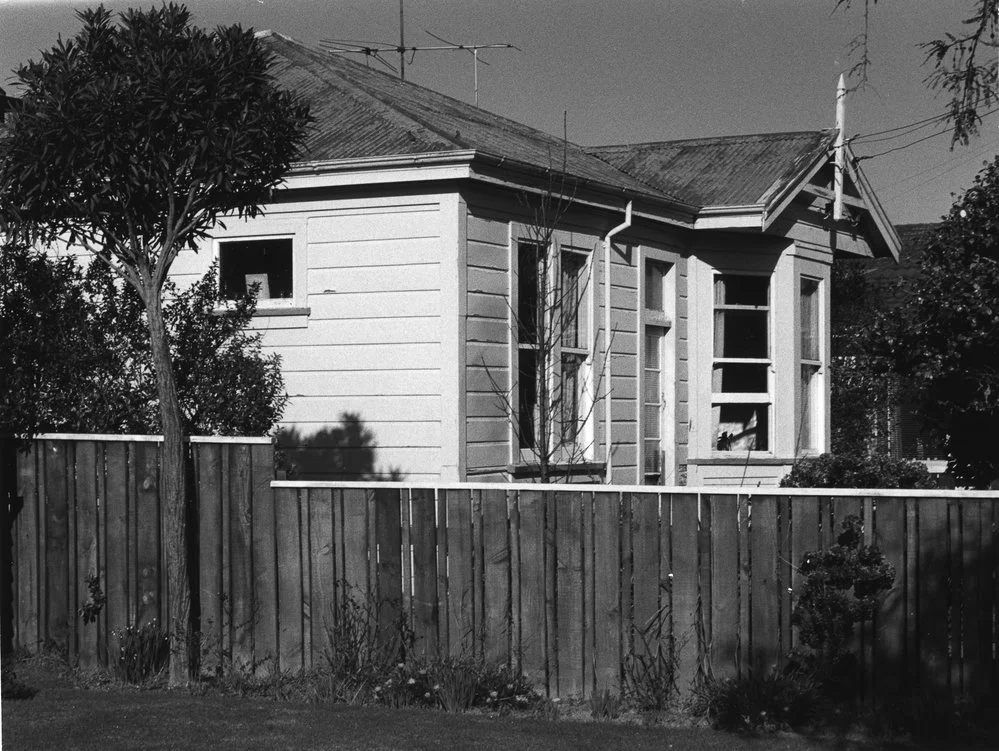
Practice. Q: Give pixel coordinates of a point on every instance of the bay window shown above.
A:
(741, 381)
(810, 396)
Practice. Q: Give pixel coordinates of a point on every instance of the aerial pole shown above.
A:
(376, 49)
(402, 44)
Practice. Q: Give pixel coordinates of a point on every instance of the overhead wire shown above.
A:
(913, 143)
(865, 136)
(909, 130)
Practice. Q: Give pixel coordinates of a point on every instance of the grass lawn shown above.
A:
(61, 716)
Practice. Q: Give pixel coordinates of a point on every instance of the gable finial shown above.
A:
(840, 149)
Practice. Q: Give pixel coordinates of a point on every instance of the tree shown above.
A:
(860, 385)
(554, 393)
(75, 356)
(134, 140)
(964, 64)
(943, 339)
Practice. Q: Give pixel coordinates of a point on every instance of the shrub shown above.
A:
(605, 705)
(502, 689)
(362, 652)
(650, 677)
(849, 471)
(752, 704)
(91, 609)
(841, 588)
(143, 652)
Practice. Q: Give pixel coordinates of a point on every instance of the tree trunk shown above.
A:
(174, 496)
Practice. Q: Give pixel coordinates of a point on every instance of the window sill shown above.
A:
(267, 311)
(524, 469)
(267, 318)
(740, 458)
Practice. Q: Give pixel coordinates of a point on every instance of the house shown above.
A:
(392, 268)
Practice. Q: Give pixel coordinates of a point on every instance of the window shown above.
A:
(741, 366)
(528, 342)
(811, 365)
(574, 349)
(657, 324)
(266, 263)
(552, 344)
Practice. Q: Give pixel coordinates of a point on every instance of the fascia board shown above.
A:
(731, 217)
(776, 200)
(613, 202)
(469, 164)
(891, 239)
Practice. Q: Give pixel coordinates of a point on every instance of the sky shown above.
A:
(634, 71)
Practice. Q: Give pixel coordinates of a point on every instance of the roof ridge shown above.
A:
(742, 138)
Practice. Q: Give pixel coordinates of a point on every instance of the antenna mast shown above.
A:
(402, 44)
(375, 50)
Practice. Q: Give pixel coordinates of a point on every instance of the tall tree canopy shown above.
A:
(944, 337)
(133, 139)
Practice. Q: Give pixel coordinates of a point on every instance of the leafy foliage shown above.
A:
(133, 140)
(142, 134)
(944, 337)
(963, 64)
(780, 700)
(853, 471)
(43, 341)
(860, 385)
(143, 652)
(841, 588)
(76, 354)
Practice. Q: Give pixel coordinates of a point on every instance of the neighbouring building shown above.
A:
(392, 263)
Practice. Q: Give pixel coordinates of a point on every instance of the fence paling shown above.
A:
(560, 584)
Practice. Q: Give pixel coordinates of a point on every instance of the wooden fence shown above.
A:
(565, 583)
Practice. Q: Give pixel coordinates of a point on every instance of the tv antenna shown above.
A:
(377, 50)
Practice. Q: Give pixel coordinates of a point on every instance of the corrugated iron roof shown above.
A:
(361, 112)
(725, 171)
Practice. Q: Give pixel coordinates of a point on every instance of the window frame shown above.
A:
(748, 398)
(656, 322)
(817, 365)
(581, 447)
(295, 309)
(266, 302)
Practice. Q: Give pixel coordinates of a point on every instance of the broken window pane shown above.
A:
(741, 427)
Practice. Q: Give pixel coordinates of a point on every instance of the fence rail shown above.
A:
(563, 584)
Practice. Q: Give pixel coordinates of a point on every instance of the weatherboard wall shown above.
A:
(364, 343)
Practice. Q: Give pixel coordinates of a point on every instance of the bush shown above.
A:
(778, 701)
(361, 652)
(841, 588)
(650, 673)
(143, 652)
(849, 471)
